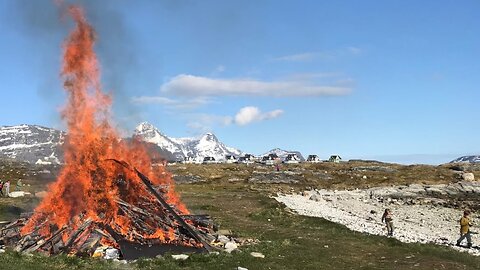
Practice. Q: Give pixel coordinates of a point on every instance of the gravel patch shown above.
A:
(359, 211)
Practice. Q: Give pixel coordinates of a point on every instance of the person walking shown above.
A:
(1, 187)
(6, 186)
(19, 185)
(465, 223)
(388, 219)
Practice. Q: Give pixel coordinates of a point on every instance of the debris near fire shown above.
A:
(83, 236)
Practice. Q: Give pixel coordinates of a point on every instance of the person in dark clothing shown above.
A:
(388, 219)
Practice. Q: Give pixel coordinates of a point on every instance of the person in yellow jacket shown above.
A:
(465, 224)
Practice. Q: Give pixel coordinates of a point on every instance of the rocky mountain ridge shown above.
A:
(41, 145)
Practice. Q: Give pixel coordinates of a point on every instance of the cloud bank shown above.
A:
(190, 85)
(180, 104)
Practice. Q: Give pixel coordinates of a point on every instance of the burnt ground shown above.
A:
(238, 198)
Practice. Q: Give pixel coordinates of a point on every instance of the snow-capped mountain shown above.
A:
(282, 154)
(32, 144)
(207, 145)
(467, 159)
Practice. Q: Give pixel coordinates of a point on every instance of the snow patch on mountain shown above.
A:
(207, 145)
(31, 143)
(467, 159)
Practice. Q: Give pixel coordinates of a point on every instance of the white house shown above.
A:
(292, 159)
(230, 159)
(335, 158)
(313, 159)
(188, 160)
(209, 160)
(270, 159)
(247, 159)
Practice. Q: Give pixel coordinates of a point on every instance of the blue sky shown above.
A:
(390, 80)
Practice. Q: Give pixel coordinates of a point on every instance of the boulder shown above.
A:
(468, 177)
(316, 197)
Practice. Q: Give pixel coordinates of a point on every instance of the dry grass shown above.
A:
(289, 241)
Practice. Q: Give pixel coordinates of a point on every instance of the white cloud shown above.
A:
(300, 57)
(245, 116)
(354, 50)
(186, 104)
(205, 122)
(190, 85)
(323, 55)
(251, 114)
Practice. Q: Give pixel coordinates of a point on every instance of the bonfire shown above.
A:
(107, 193)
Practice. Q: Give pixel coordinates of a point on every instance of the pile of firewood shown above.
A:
(83, 236)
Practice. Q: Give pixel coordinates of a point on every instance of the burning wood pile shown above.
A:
(100, 198)
(83, 236)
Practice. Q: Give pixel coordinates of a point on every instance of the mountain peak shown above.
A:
(145, 126)
(207, 145)
(210, 137)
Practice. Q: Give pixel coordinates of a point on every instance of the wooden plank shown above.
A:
(162, 202)
(75, 234)
(42, 243)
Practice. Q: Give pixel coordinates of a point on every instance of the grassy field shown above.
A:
(287, 240)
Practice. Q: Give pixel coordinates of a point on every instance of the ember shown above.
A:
(101, 197)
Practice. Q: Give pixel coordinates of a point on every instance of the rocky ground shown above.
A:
(422, 213)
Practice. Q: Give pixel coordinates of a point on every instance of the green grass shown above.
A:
(287, 240)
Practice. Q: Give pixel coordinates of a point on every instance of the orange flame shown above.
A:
(88, 184)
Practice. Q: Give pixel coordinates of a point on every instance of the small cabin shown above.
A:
(209, 160)
(230, 159)
(188, 160)
(335, 158)
(246, 159)
(292, 159)
(313, 159)
(270, 159)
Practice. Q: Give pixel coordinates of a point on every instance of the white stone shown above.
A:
(230, 246)
(223, 239)
(180, 257)
(468, 176)
(111, 253)
(316, 197)
(257, 255)
(241, 268)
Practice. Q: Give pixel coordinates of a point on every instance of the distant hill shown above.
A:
(467, 159)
